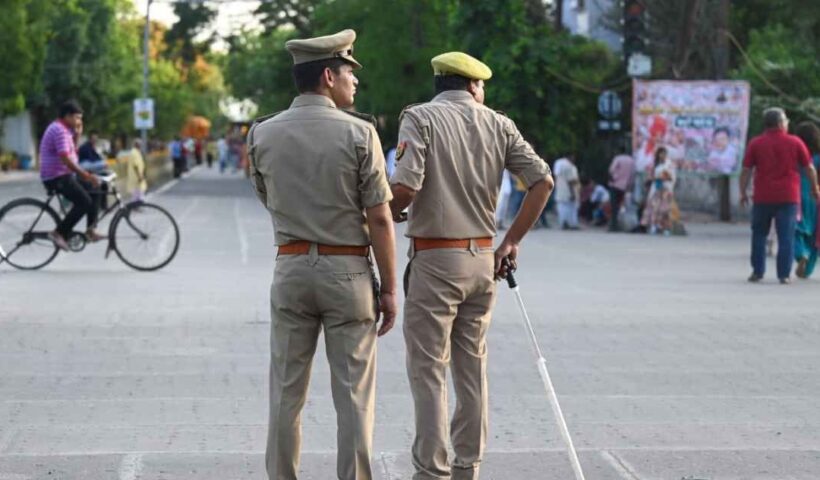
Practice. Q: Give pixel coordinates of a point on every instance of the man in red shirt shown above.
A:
(776, 158)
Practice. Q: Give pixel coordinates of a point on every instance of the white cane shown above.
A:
(545, 376)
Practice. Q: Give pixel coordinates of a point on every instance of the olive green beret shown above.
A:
(458, 63)
(338, 45)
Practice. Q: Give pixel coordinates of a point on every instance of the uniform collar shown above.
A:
(312, 100)
(459, 96)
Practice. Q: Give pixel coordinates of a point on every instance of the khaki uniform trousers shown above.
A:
(334, 294)
(446, 316)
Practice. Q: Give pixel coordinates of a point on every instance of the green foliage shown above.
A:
(258, 67)
(552, 112)
(91, 50)
(790, 63)
(395, 43)
(397, 39)
(194, 19)
(91, 57)
(21, 55)
(275, 14)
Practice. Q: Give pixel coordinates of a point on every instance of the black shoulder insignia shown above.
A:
(405, 109)
(265, 117)
(361, 116)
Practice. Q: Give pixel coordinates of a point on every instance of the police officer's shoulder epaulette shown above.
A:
(501, 113)
(361, 116)
(265, 117)
(407, 108)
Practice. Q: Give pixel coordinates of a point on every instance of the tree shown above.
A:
(276, 14)
(395, 44)
(22, 53)
(258, 67)
(194, 20)
(535, 72)
(782, 69)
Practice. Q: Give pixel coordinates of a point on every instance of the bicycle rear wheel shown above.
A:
(145, 236)
(24, 227)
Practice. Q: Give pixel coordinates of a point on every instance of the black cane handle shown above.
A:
(510, 277)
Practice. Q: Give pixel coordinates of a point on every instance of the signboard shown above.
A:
(144, 113)
(702, 124)
(609, 125)
(609, 104)
(639, 65)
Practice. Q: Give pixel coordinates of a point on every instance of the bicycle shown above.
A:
(143, 235)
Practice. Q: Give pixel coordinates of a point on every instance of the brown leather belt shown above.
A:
(303, 248)
(464, 243)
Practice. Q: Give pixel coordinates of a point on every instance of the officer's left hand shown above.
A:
(388, 308)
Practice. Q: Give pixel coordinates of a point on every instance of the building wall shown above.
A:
(585, 17)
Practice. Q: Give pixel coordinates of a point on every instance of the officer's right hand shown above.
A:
(388, 308)
(509, 251)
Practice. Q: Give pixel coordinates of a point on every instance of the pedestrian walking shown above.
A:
(450, 162)
(222, 153)
(59, 172)
(567, 192)
(176, 150)
(621, 178)
(135, 182)
(775, 158)
(806, 238)
(320, 172)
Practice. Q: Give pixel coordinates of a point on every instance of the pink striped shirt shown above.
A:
(57, 142)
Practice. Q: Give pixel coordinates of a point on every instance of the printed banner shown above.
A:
(702, 124)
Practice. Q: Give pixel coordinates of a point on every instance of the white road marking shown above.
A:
(497, 451)
(130, 467)
(240, 231)
(624, 469)
(163, 188)
(5, 440)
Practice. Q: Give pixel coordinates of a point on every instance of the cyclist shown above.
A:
(59, 171)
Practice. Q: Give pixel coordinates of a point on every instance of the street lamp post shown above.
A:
(145, 52)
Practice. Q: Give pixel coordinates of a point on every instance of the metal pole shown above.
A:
(545, 377)
(722, 68)
(145, 52)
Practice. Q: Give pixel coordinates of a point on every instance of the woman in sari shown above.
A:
(657, 214)
(806, 237)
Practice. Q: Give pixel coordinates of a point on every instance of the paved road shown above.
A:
(668, 364)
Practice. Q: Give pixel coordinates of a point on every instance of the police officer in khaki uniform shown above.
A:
(320, 172)
(450, 160)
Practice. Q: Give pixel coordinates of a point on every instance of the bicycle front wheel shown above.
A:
(145, 236)
(24, 227)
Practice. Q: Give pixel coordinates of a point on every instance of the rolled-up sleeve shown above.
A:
(373, 186)
(257, 179)
(521, 160)
(749, 157)
(410, 155)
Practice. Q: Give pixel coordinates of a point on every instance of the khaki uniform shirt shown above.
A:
(316, 168)
(454, 154)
